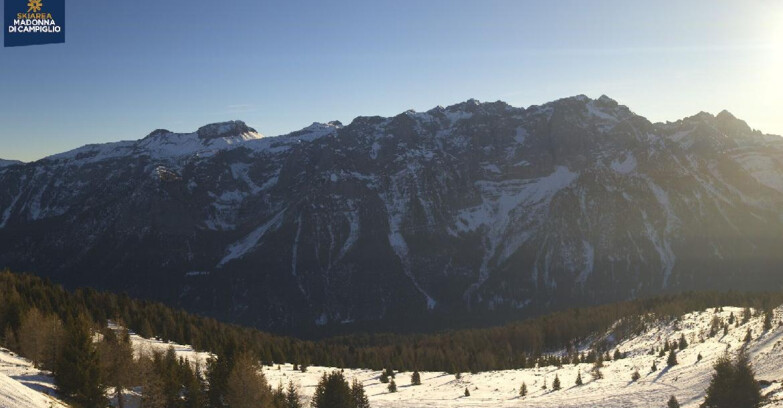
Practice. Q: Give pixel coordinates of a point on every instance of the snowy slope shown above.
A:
(21, 385)
(24, 386)
(687, 381)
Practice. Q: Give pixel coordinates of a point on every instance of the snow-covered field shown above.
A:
(24, 386)
(21, 385)
(687, 381)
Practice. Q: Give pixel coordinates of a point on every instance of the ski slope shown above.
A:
(687, 381)
(22, 385)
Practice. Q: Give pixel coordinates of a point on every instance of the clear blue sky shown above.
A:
(128, 67)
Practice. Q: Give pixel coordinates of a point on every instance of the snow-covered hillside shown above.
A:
(24, 386)
(21, 385)
(687, 381)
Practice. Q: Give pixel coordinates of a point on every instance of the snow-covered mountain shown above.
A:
(6, 163)
(478, 206)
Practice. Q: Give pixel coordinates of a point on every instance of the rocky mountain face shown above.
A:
(478, 207)
(5, 163)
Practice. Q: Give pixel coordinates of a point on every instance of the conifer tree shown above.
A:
(247, 386)
(293, 398)
(673, 403)
(279, 396)
(416, 378)
(385, 378)
(683, 343)
(746, 315)
(332, 391)
(767, 320)
(597, 374)
(116, 357)
(579, 378)
(672, 359)
(654, 367)
(358, 395)
(77, 373)
(635, 376)
(392, 386)
(748, 336)
(556, 383)
(467, 392)
(523, 390)
(733, 384)
(193, 387)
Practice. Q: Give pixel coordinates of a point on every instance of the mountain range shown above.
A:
(478, 209)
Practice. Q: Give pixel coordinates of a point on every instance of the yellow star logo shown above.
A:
(35, 5)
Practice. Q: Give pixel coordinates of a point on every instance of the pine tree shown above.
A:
(748, 335)
(77, 373)
(358, 395)
(193, 386)
(293, 398)
(767, 320)
(116, 357)
(654, 368)
(672, 359)
(733, 384)
(392, 386)
(416, 378)
(746, 315)
(698, 358)
(523, 390)
(279, 396)
(247, 386)
(332, 392)
(385, 378)
(673, 403)
(579, 378)
(467, 392)
(556, 383)
(683, 344)
(635, 376)
(617, 354)
(597, 374)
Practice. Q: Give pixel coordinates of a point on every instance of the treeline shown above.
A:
(515, 345)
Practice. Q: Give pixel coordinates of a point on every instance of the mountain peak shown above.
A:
(731, 125)
(6, 163)
(725, 115)
(224, 129)
(158, 132)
